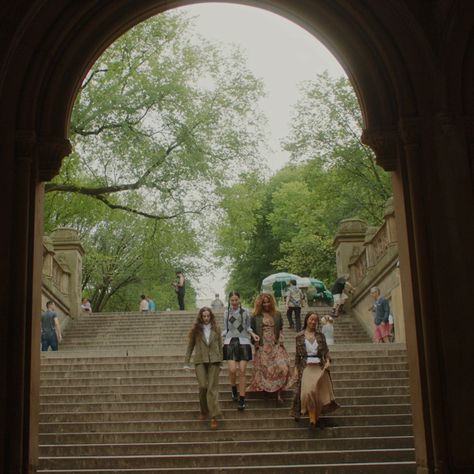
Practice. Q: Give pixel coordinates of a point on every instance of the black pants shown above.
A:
(181, 298)
(289, 314)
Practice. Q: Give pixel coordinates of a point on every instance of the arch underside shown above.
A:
(412, 66)
(80, 32)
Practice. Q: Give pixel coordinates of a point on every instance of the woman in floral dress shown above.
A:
(271, 368)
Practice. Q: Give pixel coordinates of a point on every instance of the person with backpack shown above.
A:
(294, 303)
(237, 333)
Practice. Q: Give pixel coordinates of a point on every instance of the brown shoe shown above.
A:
(214, 424)
(202, 416)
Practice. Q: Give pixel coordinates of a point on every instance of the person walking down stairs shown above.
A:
(314, 392)
(205, 341)
(271, 365)
(237, 349)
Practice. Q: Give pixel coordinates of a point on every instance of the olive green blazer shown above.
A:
(203, 353)
(257, 325)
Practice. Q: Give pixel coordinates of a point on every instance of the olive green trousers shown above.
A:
(208, 381)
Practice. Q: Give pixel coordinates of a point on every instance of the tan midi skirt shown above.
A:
(316, 390)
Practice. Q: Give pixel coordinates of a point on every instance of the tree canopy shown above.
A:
(288, 222)
(161, 120)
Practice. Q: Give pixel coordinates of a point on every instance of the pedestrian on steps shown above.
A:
(50, 328)
(180, 288)
(237, 349)
(294, 302)
(381, 315)
(313, 389)
(144, 306)
(339, 292)
(271, 364)
(327, 329)
(205, 341)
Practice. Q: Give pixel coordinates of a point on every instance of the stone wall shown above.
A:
(370, 256)
(62, 273)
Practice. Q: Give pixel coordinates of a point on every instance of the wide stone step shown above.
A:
(177, 371)
(127, 387)
(399, 467)
(203, 434)
(224, 394)
(246, 422)
(130, 379)
(65, 371)
(337, 364)
(178, 336)
(85, 407)
(228, 459)
(165, 329)
(339, 354)
(153, 414)
(352, 351)
(253, 446)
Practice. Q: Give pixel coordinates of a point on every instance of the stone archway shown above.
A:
(411, 67)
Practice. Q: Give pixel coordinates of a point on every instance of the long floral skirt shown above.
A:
(271, 365)
(316, 390)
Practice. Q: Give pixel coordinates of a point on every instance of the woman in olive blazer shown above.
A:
(205, 341)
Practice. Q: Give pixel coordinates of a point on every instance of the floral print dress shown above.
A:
(271, 365)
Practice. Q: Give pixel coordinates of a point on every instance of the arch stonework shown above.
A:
(412, 66)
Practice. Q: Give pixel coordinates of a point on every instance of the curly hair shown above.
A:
(258, 308)
(196, 330)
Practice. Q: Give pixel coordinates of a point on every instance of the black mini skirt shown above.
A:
(237, 351)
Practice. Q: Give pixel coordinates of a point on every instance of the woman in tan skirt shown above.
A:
(313, 389)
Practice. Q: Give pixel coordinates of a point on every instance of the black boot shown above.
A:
(241, 405)
(235, 395)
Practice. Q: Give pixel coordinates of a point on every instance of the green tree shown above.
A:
(325, 133)
(161, 120)
(331, 176)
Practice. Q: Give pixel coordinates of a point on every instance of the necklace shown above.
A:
(310, 336)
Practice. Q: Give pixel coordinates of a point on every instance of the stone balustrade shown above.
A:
(62, 273)
(370, 256)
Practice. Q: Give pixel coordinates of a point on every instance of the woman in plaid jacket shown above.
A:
(313, 388)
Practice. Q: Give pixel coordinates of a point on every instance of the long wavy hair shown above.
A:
(308, 314)
(258, 307)
(196, 330)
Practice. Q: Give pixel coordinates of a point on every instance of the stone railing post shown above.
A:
(348, 242)
(69, 249)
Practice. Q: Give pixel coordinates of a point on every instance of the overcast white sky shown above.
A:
(278, 51)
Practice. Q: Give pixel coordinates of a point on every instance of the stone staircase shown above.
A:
(116, 399)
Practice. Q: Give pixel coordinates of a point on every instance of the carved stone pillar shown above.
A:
(349, 236)
(20, 328)
(51, 153)
(389, 216)
(384, 143)
(67, 245)
(469, 131)
(21, 348)
(417, 169)
(369, 248)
